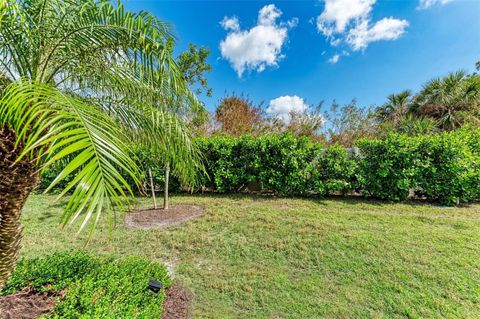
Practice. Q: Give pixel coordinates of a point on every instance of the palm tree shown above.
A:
(396, 108)
(452, 100)
(414, 125)
(84, 77)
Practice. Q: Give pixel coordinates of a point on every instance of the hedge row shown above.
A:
(443, 167)
(96, 287)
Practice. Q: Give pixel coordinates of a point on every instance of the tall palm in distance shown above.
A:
(80, 79)
(443, 104)
(452, 100)
(396, 108)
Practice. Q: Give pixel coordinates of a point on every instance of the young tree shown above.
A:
(307, 123)
(193, 64)
(349, 123)
(237, 115)
(81, 75)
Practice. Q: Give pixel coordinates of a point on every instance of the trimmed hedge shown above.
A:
(443, 167)
(386, 169)
(97, 287)
(278, 163)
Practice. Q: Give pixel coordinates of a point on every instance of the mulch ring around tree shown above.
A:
(29, 304)
(160, 218)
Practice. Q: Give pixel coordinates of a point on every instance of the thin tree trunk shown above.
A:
(165, 188)
(152, 186)
(16, 182)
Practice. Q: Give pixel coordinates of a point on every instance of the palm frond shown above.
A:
(53, 126)
(167, 135)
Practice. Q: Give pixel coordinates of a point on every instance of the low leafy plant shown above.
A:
(96, 287)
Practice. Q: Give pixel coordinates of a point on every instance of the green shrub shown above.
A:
(337, 170)
(97, 287)
(226, 172)
(449, 167)
(387, 168)
(285, 164)
(441, 167)
(279, 163)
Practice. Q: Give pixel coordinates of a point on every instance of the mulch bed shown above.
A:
(160, 218)
(178, 304)
(28, 304)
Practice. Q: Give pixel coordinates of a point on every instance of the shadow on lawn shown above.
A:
(344, 199)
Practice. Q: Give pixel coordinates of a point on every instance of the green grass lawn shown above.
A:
(258, 257)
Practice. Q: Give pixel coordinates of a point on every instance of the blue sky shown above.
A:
(288, 48)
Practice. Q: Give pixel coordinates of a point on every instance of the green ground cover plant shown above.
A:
(96, 287)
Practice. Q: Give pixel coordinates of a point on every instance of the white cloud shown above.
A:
(338, 14)
(387, 29)
(230, 23)
(350, 22)
(259, 47)
(292, 23)
(335, 42)
(334, 59)
(425, 4)
(268, 14)
(283, 106)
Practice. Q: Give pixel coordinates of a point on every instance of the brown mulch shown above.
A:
(177, 303)
(28, 304)
(160, 218)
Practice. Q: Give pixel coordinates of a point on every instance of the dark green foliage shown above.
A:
(145, 159)
(97, 287)
(441, 167)
(285, 164)
(225, 173)
(337, 169)
(386, 168)
(279, 163)
(449, 167)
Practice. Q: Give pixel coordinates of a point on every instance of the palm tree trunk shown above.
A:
(17, 180)
(165, 188)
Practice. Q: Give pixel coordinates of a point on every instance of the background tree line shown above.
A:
(443, 104)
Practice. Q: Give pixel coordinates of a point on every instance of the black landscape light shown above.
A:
(154, 286)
